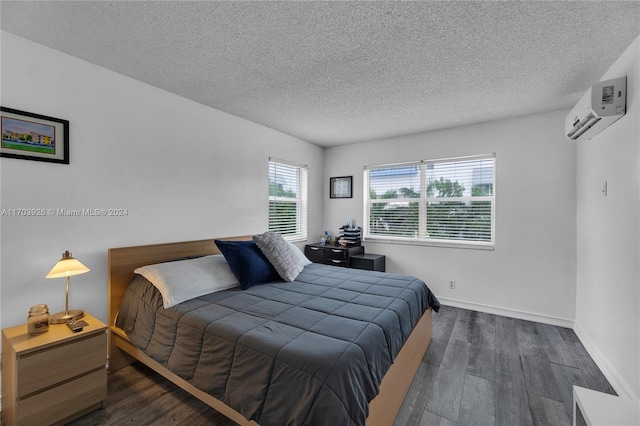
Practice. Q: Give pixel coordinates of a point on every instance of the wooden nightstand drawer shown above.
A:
(53, 377)
(56, 364)
(55, 404)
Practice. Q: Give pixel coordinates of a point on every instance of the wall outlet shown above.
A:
(452, 284)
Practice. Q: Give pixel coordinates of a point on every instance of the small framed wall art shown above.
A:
(341, 187)
(29, 136)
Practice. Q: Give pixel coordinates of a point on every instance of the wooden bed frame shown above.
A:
(122, 261)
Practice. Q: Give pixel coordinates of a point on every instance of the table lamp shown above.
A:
(66, 267)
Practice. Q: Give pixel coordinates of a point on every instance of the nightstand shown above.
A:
(331, 255)
(368, 261)
(53, 377)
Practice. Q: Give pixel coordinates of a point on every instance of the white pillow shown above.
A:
(184, 280)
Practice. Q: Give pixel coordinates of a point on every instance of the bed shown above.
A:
(386, 377)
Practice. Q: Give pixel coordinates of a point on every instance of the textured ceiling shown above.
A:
(341, 72)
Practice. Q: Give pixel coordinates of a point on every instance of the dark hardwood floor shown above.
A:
(480, 369)
(483, 369)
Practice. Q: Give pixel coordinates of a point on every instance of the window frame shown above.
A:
(424, 199)
(301, 201)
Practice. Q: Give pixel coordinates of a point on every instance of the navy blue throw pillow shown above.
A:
(247, 262)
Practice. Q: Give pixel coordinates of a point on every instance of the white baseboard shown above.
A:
(618, 383)
(506, 312)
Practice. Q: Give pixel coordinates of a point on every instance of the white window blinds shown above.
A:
(439, 200)
(288, 199)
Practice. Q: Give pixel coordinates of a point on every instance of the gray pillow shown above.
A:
(303, 259)
(280, 253)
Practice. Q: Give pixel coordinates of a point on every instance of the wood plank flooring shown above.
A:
(480, 369)
(484, 369)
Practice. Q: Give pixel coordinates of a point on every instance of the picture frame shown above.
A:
(29, 136)
(341, 187)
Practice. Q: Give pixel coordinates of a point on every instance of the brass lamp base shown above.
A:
(63, 317)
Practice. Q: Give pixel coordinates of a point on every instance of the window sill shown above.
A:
(432, 243)
(295, 239)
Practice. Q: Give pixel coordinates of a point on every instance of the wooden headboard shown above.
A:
(123, 261)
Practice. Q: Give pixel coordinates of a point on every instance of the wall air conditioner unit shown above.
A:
(604, 103)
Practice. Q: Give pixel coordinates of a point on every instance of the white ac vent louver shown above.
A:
(604, 103)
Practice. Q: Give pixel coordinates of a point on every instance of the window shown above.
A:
(435, 202)
(288, 199)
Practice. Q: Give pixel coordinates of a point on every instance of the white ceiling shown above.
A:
(341, 72)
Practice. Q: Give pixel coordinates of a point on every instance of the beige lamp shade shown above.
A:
(65, 268)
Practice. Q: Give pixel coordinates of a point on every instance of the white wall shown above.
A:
(184, 171)
(531, 273)
(608, 240)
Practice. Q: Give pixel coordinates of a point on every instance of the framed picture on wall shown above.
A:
(341, 187)
(30, 136)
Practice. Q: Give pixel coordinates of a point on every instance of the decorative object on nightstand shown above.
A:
(350, 236)
(66, 267)
(53, 377)
(38, 319)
